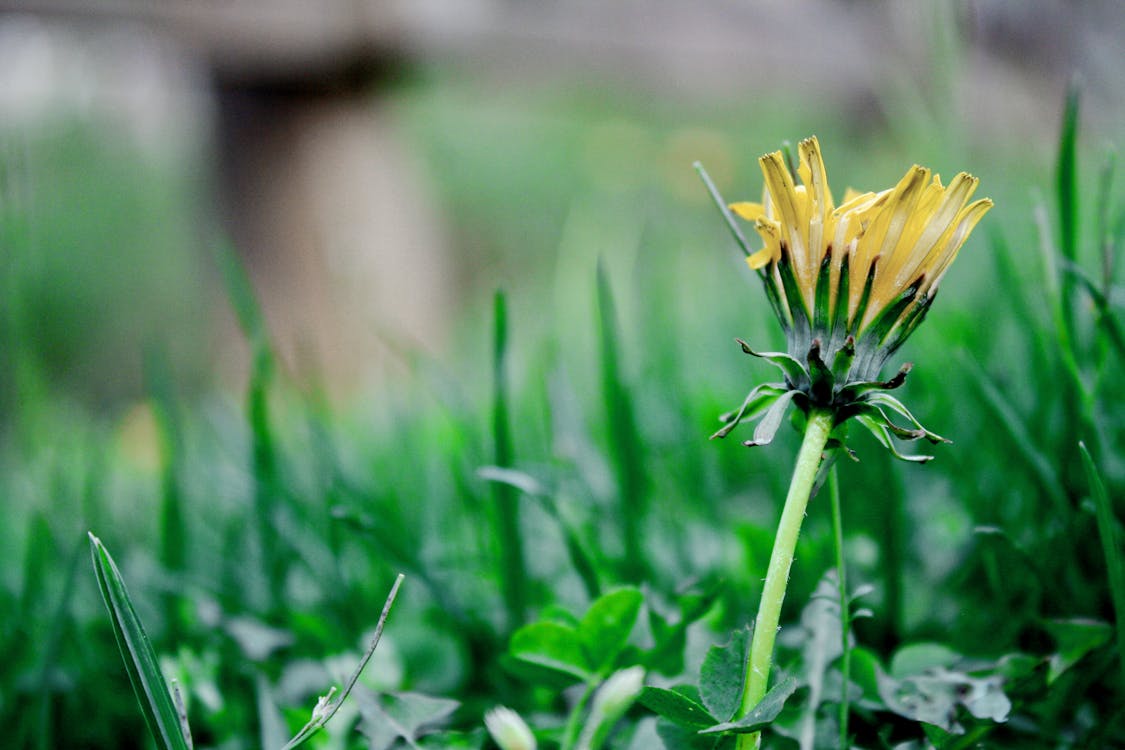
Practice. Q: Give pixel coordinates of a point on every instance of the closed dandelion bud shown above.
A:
(508, 729)
(848, 284)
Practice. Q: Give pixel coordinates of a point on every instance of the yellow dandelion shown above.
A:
(849, 283)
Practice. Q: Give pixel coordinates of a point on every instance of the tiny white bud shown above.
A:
(612, 700)
(508, 729)
(323, 704)
(619, 692)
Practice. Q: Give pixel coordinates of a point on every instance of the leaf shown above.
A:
(865, 673)
(933, 697)
(156, 703)
(669, 638)
(604, 629)
(917, 658)
(1075, 639)
(763, 714)
(552, 646)
(404, 715)
(676, 706)
(722, 676)
(822, 636)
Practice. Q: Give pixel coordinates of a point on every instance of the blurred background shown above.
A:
(380, 168)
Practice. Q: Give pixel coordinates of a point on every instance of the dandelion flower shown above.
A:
(849, 283)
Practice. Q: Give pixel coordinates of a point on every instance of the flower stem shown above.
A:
(817, 430)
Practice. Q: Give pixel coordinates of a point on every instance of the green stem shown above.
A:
(817, 430)
(574, 721)
(845, 609)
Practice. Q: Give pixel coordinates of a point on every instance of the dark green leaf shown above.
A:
(763, 714)
(722, 676)
(604, 629)
(676, 707)
(551, 646)
(1075, 639)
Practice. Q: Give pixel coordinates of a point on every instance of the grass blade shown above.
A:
(624, 438)
(156, 702)
(507, 510)
(1107, 530)
(264, 454)
(1066, 175)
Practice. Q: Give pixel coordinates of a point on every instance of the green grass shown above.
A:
(259, 550)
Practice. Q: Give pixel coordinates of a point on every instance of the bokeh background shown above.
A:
(380, 169)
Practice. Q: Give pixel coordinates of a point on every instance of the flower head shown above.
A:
(848, 284)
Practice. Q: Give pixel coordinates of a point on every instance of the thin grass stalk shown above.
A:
(817, 429)
(513, 576)
(833, 486)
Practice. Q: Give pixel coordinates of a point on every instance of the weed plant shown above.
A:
(574, 549)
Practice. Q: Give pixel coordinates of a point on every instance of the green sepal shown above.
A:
(839, 319)
(865, 297)
(879, 429)
(767, 428)
(795, 373)
(757, 401)
(773, 294)
(856, 391)
(911, 320)
(798, 310)
(879, 328)
(874, 412)
(890, 402)
(821, 313)
(820, 377)
(842, 362)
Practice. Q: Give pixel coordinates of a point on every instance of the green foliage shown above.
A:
(258, 543)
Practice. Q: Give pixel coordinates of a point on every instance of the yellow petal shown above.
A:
(966, 221)
(747, 210)
(760, 259)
